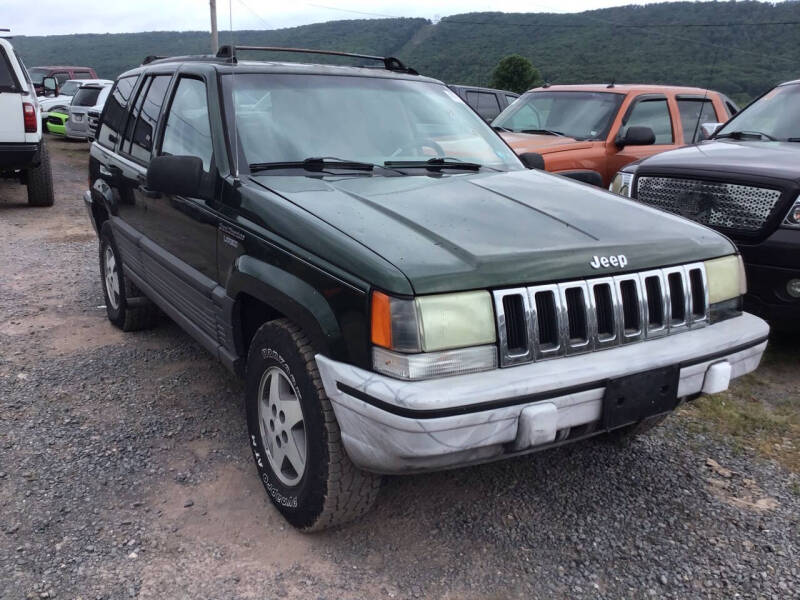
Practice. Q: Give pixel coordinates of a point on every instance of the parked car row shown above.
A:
(744, 182)
(68, 113)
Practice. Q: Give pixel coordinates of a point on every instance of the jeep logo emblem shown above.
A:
(604, 262)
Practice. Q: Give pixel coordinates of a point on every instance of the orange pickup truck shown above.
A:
(589, 132)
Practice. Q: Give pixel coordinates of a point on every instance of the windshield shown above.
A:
(287, 118)
(38, 74)
(69, 88)
(579, 115)
(775, 115)
(86, 96)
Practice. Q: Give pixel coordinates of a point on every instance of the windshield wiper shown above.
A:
(316, 164)
(544, 131)
(498, 128)
(438, 163)
(738, 135)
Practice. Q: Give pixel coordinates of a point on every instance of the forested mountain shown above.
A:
(740, 48)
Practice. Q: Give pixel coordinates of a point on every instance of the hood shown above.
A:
(49, 103)
(779, 160)
(462, 232)
(543, 144)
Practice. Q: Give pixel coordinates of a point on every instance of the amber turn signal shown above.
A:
(381, 320)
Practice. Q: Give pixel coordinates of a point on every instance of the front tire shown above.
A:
(40, 180)
(625, 435)
(126, 307)
(294, 435)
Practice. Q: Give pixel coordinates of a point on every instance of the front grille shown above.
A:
(728, 205)
(559, 319)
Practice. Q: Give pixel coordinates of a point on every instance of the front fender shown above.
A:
(292, 297)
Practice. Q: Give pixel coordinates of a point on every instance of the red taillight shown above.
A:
(29, 115)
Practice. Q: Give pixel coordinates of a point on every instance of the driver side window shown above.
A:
(652, 113)
(188, 131)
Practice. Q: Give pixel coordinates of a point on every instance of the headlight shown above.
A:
(725, 278)
(432, 336)
(622, 184)
(792, 220)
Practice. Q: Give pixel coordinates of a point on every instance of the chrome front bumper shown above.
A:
(394, 426)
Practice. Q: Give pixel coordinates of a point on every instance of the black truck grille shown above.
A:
(732, 206)
(559, 319)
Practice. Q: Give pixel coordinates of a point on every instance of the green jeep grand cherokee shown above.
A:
(398, 291)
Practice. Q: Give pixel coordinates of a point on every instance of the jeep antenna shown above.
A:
(705, 98)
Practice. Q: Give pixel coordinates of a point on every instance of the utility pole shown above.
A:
(214, 32)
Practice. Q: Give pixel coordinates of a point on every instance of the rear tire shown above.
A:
(40, 180)
(294, 435)
(126, 306)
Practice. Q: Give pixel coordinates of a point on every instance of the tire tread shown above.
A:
(350, 492)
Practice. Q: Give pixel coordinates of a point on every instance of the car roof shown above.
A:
(52, 67)
(623, 88)
(88, 81)
(94, 83)
(794, 81)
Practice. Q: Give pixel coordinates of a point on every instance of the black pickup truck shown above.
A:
(399, 292)
(745, 182)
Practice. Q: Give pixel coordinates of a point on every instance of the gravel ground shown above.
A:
(125, 473)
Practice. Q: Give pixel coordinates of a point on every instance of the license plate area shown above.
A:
(635, 397)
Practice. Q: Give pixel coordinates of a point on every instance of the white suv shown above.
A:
(23, 153)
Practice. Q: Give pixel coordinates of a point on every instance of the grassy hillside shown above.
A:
(740, 48)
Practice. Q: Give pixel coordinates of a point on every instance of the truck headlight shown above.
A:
(622, 184)
(433, 336)
(725, 278)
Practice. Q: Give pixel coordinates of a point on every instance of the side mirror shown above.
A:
(50, 85)
(532, 160)
(177, 175)
(709, 129)
(637, 136)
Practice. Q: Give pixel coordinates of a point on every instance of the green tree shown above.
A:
(514, 73)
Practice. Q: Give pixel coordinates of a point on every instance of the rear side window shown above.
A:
(148, 110)
(61, 77)
(695, 112)
(652, 113)
(187, 131)
(86, 96)
(510, 99)
(82, 75)
(8, 82)
(115, 112)
(484, 103)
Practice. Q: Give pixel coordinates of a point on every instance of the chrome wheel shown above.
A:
(283, 430)
(111, 278)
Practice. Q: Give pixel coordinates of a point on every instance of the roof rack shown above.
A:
(390, 63)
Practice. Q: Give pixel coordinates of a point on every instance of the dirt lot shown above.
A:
(125, 472)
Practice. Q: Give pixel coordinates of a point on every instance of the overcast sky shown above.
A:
(46, 17)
